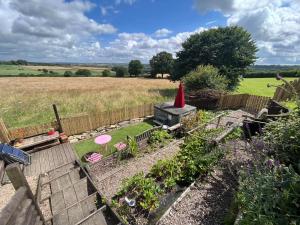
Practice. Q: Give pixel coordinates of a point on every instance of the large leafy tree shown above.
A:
(135, 67)
(162, 63)
(230, 49)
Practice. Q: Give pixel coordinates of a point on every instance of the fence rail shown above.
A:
(251, 103)
(22, 207)
(282, 95)
(78, 123)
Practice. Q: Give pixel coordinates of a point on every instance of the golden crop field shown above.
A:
(28, 100)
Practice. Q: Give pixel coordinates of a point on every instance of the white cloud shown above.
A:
(39, 30)
(130, 2)
(162, 32)
(274, 25)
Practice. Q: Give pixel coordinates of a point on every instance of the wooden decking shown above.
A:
(48, 159)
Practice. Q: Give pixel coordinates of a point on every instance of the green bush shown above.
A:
(283, 137)
(167, 172)
(83, 72)
(121, 71)
(68, 73)
(204, 77)
(144, 190)
(159, 137)
(106, 73)
(270, 196)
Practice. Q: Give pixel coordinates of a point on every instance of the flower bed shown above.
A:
(166, 179)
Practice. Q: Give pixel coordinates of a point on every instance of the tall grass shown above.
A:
(27, 101)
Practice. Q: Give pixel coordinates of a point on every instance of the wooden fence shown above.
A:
(143, 138)
(79, 123)
(251, 103)
(22, 207)
(282, 95)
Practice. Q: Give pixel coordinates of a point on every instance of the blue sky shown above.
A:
(121, 30)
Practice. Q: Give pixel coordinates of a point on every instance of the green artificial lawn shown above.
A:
(118, 135)
(258, 86)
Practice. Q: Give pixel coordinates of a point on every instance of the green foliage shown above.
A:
(106, 73)
(121, 71)
(192, 121)
(270, 196)
(204, 77)
(167, 172)
(135, 67)
(68, 73)
(235, 134)
(284, 137)
(159, 137)
(230, 49)
(144, 190)
(133, 147)
(83, 72)
(162, 63)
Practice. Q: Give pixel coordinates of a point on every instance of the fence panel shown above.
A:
(282, 95)
(31, 130)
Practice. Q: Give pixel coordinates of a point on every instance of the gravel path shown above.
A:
(208, 201)
(110, 183)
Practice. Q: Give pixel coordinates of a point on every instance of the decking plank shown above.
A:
(75, 214)
(61, 219)
(81, 189)
(57, 202)
(70, 196)
(88, 206)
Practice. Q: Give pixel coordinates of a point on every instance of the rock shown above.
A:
(123, 123)
(113, 126)
(73, 140)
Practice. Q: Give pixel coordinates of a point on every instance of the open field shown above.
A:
(258, 86)
(28, 100)
(14, 70)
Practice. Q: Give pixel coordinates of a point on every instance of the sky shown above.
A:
(117, 31)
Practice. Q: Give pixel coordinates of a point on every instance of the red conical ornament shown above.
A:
(179, 101)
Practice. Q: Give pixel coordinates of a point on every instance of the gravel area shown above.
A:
(209, 200)
(7, 190)
(110, 182)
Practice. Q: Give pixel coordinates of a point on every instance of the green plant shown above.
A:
(106, 73)
(160, 137)
(269, 196)
(204, 77)
(195, 120)
(283, 137)
(167, 172)
(68, 73)
(162, 63)
(83, 72)
(135, 67)
(133, 147)
(235, 134)
(143, 190)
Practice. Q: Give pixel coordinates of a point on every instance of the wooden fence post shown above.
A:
(4, 134)
(60, 129)
(18, 180)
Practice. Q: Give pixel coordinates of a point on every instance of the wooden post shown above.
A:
(18, 180)
(4, 134)
(60, 129)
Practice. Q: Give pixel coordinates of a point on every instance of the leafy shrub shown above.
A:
(106, 73)
(121, 71)
(45, 70)
(192, 121)
(284, 138)
(167, 172)
(270, 196)
(143, 190)
(159, 137)
(83, 72)
(204, 77)
(133, 147)
(68, 73)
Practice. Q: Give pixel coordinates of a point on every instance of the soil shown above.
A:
(109, 182)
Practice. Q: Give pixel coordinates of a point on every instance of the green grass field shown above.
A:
(89, 145)
(258, 86)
